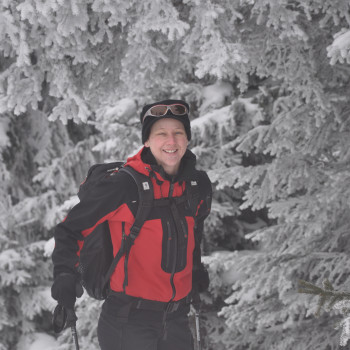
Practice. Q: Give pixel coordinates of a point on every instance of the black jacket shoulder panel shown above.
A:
(101, 199)
(205, 194)
(204, 179)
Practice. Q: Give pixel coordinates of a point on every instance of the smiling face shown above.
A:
(168, 143)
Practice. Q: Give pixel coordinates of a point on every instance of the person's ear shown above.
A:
(147, 143)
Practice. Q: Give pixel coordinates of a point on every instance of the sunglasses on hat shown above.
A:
(161, 110)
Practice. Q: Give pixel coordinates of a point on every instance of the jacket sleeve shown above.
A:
(98, 205)
(203, 211)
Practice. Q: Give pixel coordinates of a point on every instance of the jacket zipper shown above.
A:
(173, 269)
(168, 245)
(183, 256)
(171, 190)
(126, 257)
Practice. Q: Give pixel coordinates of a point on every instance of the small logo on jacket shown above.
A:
(145, 185)
(193, 183)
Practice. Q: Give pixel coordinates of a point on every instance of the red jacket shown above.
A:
(161, 260)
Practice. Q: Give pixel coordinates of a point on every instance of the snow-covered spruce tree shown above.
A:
(223, 119)
(28, 213)
(64, 61)
(97, 61)
(299, 51)
(74, 60)
(42, 161)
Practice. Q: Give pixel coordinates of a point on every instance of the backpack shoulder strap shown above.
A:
(146, 196)
(192, 195)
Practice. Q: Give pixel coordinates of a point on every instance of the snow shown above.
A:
(69, 203)
(125, 106)
(144, 64)
(339, 50)
(225, 261)
(345, 323)
(215, 96)
(37, 341)
(47, 300)
(342, 41)
(49, 246)
(4, 140)
(222, 114)
(217, 115)
(123, 110)
(214, 104)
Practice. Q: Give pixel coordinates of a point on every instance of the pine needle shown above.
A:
(326, 294)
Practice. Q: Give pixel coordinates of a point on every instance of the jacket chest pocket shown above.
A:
(174, 245)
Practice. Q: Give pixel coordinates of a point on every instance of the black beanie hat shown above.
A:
(150, 120)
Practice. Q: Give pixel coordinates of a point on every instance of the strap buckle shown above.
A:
(130, 238)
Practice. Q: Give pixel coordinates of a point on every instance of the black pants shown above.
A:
(139, 329)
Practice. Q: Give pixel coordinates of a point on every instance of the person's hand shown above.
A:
(200, 279)
(66, 289)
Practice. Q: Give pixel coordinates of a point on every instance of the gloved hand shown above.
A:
(66, 289)
(200, 279)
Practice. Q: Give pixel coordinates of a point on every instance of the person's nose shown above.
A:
(171, 139)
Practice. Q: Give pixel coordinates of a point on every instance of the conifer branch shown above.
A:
(326, 294)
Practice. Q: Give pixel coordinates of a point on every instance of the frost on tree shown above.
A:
(267, 83)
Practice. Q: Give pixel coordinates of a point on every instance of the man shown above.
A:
(164, 264)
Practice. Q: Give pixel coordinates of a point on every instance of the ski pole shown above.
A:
(62, 318)
(75, 337)
(198, 332)
(196, 301)
(71, 322)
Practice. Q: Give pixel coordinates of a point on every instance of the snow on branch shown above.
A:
(337, 300)
(339, 50)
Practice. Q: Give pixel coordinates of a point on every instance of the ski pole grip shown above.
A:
(59, 318)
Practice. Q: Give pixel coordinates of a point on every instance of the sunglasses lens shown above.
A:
(158, 111)
(178, 109)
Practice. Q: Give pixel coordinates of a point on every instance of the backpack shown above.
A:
(96, 260)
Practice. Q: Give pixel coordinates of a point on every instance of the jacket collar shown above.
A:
(144, 162)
